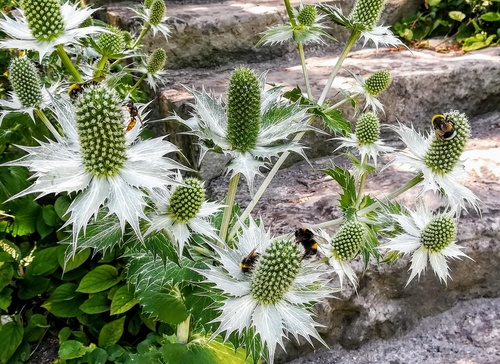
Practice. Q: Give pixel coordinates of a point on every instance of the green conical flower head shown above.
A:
(110, 44)
(186, 201)
(307, 15)
(367, 12)
(368, 128)
(439, 233)
(275, 272)
(25, 81)
(44, 18)
(378, 82)
(158, 10)
(348, 240)
(100, 124)
(156, 61)
(243, 110)
(148, 3)
(127, 38)
(87, 23)
(443, 155)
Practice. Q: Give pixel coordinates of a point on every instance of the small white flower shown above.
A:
(274, 310)
(21, 36)
(180, 229)
(429, 238)
(63, 166)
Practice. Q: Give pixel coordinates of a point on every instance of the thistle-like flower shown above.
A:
(28, 93)
(371, 88)
(95, 156)
(273, 297)
(183, 212)
(428, 237)
(251, 127)
(153, 68)
(366, 138)
(308, 28)
(44, 24)
(439, 160)
(110, 44)
(153, 16)
(345, 245)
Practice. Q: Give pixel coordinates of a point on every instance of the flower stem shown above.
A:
(289, 11)
(361, 182)
(183, 331)
(144, 30)
(100, 66)
(226, 218)
(137, 83)
(333, 107)
(350, 43)
(68, 64)
(304, 70)
(47, 123)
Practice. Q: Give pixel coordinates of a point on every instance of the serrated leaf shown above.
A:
(11, 336)
(160, 245)
(44, 263)
(123, 300)
(99, 279)
(74, 261)
(5, 298)
(6, 274)
(163, 303)
(111, 332)
(334, 121)
(347, 182)
(71, 349)
(64, 301)
(96, 303)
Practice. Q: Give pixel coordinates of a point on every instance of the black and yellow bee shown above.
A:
(248, 262)
(76, 89)
(444, 127)
(309, 241)
(133, 113)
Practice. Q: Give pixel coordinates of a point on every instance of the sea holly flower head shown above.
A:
(370, 88)
(428, 238)
(367, 12)
(345, 245)
(366, 138)
(274, 297)
(152, 13)
(152, 66)
(96, 160)
(438, 160)
(44, 24)
(183, 212)
(110, 44)
(308, 27)
(252, 126)
(28, 93)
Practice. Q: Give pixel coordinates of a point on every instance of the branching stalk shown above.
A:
(226, 218)
(47, 123)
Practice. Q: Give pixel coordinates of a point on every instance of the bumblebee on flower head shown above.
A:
(444, 127)
(309, 241)
(247, 263)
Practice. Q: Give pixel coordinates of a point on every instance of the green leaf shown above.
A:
(189, 353)
(31, 287)
(111, 332)
(50, 216)
(346, 181)
(491, 16)
(123, 300)
(433, 2)
(163, 303)
(96, 303)
(64, 334)
(11, 248)
(456, 15)
(72, 262)
(99, 279)
(64, 301)
(6, 274)
(478, 41)
(61, 207)
(5, 298)
(25, 211)
(160, 245)
(11, 336)
(103, 234)
(97, 356)
(334, 121)
(71, 349)
(37, 325)
(44, 263)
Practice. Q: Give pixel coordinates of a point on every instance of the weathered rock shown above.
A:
(382, 306)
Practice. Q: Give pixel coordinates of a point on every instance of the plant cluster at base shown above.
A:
(109, 243)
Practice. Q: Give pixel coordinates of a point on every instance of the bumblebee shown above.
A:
(309, 241)
(76, 89)
(133, 113)
(248, 261)
(444, 127)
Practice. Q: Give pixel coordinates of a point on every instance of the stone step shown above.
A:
(215, 33)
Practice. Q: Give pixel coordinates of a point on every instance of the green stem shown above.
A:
(226, 218)
(100, 66)
(47, 123)
(333, 107)
(137, 83)
(304, 70)
(183, 331)
(68, 64)
(361, 182)
(289, 11)
(350, 43)
(143, 33)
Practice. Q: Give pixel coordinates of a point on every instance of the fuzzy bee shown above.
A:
(309, 241)
(248, 262)
(133, 113)
(444, 127)
(76, 89)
